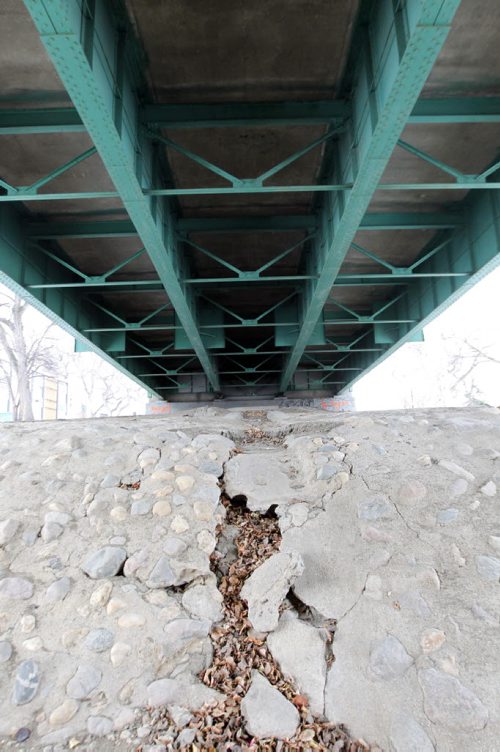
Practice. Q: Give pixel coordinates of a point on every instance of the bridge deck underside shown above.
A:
(248, 146)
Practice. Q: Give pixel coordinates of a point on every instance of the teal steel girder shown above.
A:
(474, 250)
(401, 44)
(90, 55)
(245, 115)
(120, 228)
(22, 269)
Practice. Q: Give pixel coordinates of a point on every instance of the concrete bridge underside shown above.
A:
(257, 200)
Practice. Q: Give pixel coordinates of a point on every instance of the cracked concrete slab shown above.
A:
(394, 516)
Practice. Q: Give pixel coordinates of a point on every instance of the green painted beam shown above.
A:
(22, 267)
(94, 59)
(244, 114)
(120, 228)
(475, 250)
(247, 188)
(394, 60)
(40, 120)
(114, 228)
(456, 110)
(472, 109)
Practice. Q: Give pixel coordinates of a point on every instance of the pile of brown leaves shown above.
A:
(238, 650)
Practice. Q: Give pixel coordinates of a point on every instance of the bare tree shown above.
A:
(98, 388)
(464, 365)
(22, 357)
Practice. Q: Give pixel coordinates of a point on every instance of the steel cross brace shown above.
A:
(474, 250)
(399, 49)
(22, 268)
(90, 54)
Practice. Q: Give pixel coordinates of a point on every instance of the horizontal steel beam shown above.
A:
(248, 189)
(120, 228)
(242, 114)
(40, 120)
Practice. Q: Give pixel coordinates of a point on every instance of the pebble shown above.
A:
(51, 531)
(203, 601)
(8, 529)
(457, 469)
(64, 713)
(5, 651)
(58, 590)
(489, 489)
(60, 518)
(445, 516)
(130, 620)
(448, 702)
(375, 509)
(184, 483)
(16, 588)
(389, 658)
(140, 507)
(109, 481)
(83, 682)
(179, 524)
(99, 640)
(33, 644)
(162, 575)
(174, 546)
(26, 682)
(162, 508)
(488, 568)
(22, 734)
(119, 653)
(431, 640)
(206, 541)
(101, 594)
(494, 542)
(203, 511)
(105, 562)
(119, 513)
(99, 725)
(28, 623)
(458, 487)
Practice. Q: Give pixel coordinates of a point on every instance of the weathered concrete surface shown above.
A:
(98, 519)
(395, 517)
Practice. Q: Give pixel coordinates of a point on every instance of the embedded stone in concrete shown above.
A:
(105, 562)
(488, 568)
(8, 529)
(389, 659)
(84, 681)
(448, 702)
(99, 640)
(300, 651)
(26, 683)
(16, 588)
(267, 586)
(267, 714)
(203, 601)
(5, 651)
(177, 692)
